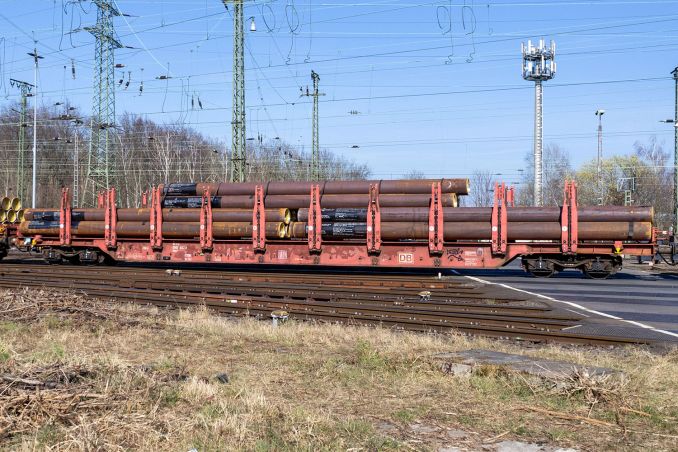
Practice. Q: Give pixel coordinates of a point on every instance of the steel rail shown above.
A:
(341, 306)
(328, 297)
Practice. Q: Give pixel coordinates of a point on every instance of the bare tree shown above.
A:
(557, 169)
(414, 174)
(482, 189)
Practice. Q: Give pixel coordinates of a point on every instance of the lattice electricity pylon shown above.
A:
(25, 89)
(316, 173)
(238, 144)
(103, 103)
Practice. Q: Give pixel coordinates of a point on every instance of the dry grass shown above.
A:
(106, 376)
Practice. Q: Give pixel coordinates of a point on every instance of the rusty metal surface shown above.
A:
(170, 215)
(415, 186)
(453, 231)
(303, 201)
(171, 230)
(484, 214)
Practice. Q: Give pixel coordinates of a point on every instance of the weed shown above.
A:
(9, 327)
(357, 428)
(558, 434)
(404, 415)
(5, 354)
(368, 358)
(170, 397)
(48, 434)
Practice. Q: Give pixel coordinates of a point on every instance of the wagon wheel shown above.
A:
(543, 272)
(596, 274)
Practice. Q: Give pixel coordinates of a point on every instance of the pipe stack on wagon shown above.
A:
(475, 223)
(334, 194)
(404, 213)
(232, 207)
(135, 223)
(10, 210)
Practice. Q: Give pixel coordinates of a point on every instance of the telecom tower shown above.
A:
(315, 148)
(538, 66)
(103, 104)
(25, 89)
(238, 144)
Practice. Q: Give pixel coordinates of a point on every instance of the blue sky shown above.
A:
(436, 85)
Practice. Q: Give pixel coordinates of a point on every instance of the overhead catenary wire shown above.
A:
(262, 72)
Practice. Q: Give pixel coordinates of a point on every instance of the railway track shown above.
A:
(417, 303)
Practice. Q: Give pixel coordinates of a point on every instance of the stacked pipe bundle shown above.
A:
(404, 213)
(10, 210)
(232, 207)
(135, 223)
(297, 195)
(475, 223)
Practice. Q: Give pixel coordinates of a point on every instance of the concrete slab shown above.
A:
(518, 446)
(550, 369)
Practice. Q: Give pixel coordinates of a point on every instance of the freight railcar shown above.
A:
(4, 241)
(397, 224)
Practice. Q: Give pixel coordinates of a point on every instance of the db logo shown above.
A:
(405, 258)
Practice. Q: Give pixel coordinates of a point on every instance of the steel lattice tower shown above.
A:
(25, 89)
(103, 103)
(538, 66)
(316, 172)
(238, 144)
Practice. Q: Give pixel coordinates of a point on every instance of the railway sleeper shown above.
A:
(592, 266)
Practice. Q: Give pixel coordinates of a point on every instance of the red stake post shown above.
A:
(206, 232)
(111, 220)
(315, 222)
(499, 220)
(436, 226)
(374, 222)
(156, 219)
(569, 219)
(65, 237)
(259, 221)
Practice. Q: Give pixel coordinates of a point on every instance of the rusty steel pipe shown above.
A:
(301, 201)
(128, 229)
(640, 231)
(484, 214)
(170, 215)
(351, 187)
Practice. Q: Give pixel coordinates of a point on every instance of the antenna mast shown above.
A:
(538, 66)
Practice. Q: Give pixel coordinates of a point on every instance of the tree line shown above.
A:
(643, 177)
(143, 153)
